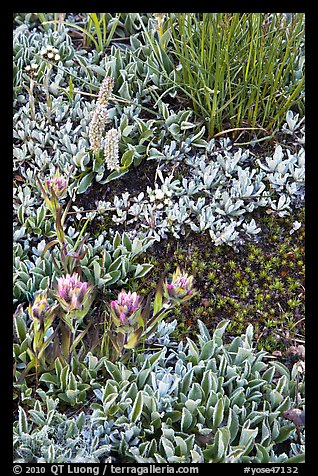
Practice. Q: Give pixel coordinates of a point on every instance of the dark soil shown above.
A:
(260, 282)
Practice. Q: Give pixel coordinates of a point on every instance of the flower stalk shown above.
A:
(75, 298)
(100, 115)
(42, 315)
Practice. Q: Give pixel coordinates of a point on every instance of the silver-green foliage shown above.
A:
(208, 402)
(217, 191)
(204, 402)
(47, 436)
(105, 264)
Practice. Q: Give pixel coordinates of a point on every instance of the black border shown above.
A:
(311, 213)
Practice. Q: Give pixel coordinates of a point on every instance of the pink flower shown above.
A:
(125, 305)
(180, 287)
(72, 291)
(58, 184)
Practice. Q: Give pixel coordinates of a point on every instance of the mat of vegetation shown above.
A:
(158, 197)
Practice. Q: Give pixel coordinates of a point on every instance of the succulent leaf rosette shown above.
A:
(181, 287)
(74, 295)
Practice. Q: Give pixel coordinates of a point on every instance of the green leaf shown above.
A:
(187, 381)
(97, 271)
(203, 331)
(58, 367)
(85, 182)
(233, 424)
(116, 240)
(127, 158)
(72, 384)
(113, 370)
(126, 131)
(64, 377)
(37, 417)
(262, 454)
(145, 135)
(281, 368)
(71, 88)
(48, 378)
(296, 459)
(23, 421)
(247, 438)
(193, 351)
(266, 434)
(112, 277)
(115, 264)
(192, 406)
(275, 398)
(137, 407)
(222, 439)
(242, 354)
(142, 270)
(142, 377)
(207, 350)
(195, 392)
(126, 241)
(108, 402)
(219, 331)
(116, 174)
(155, 154)
(133, 339)
(45, 282)
(154, 358)
(186, 419)
(284, 433)
(198, 136)
(21, 327)
(167, 447)
(80, 422)
(157, 305)
(181, 446)
(218, 413)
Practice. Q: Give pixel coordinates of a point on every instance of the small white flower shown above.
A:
(57, 57)
(99, 119)
(105, 90)
(111, 149)
(296, 226)
(159, 194)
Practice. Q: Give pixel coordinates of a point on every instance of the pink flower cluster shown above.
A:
(181, 285)
(58, 184)
(125, 305)
(72, 290)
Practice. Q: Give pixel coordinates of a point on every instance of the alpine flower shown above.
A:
(125, 305)
(58, 184)
(181, 286)
(100, 115)
(72, 293)
(111, 149)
